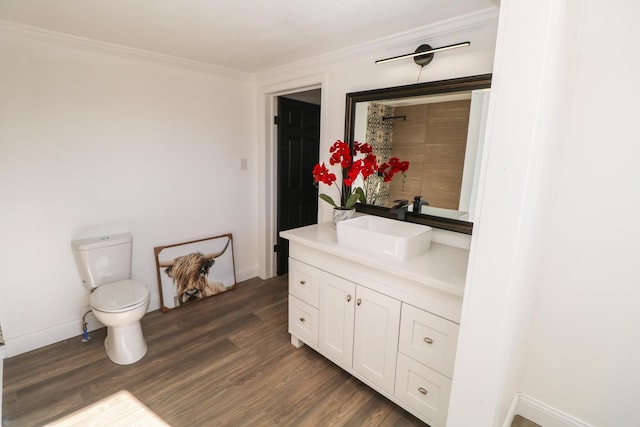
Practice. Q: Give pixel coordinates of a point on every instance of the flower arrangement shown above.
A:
(366, 166)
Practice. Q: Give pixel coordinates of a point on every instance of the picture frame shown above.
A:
(195, 270)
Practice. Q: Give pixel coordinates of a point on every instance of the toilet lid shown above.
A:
(119, 296)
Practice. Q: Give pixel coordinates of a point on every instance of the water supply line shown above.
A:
(85, 332)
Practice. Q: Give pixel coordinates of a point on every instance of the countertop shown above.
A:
(442, 267)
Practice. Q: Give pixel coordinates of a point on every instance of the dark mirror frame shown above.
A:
(460, 84)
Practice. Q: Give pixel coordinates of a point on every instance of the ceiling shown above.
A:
(247, 35)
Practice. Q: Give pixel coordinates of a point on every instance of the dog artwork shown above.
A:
(194, 275)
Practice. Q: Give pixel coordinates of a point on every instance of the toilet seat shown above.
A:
(121, 296)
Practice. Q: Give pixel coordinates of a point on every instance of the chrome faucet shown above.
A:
(400, 208)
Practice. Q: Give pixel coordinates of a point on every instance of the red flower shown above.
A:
(365, 166)
(340, 154)
(388, 170)
(362, 148)
(322, 174)
(370, 166)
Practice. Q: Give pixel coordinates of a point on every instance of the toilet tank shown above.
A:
(104, 259)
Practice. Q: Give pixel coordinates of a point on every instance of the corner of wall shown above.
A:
(2, 354)
(1, 376)
(541, 413)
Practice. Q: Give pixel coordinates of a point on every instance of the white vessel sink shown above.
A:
(388, 238)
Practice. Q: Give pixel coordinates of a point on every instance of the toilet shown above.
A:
(104, 264)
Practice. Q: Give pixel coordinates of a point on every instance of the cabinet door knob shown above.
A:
(348, 298)
(358, 301)
(428, 340)
(302, 282)
(302, 319)
(422, 390)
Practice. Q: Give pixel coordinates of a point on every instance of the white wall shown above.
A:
(550, 309)
(95, 141)
(354, 70)
(583, 348)
(517, 166)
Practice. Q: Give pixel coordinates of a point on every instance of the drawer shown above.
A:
(423, 390)
(429, 339)
(304, 282)
(303, 321)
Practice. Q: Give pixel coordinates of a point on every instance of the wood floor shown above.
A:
(520, 421)
(225, 361)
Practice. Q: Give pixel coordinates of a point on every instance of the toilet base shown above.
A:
(125, 344)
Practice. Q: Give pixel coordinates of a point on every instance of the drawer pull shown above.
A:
(348, 298)
(302, 319)
(302, 282)
(428, 340)
(422, 390)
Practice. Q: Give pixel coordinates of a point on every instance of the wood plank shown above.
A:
(223, 361)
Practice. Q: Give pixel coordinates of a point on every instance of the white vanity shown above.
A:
(392, 324)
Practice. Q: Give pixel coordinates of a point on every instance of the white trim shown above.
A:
(267, 140)
(246, 273)
(33, 33)
(399, 43)
(1, 376)
(541, 413)
(34, 340)
(512, 411)
(266, 109)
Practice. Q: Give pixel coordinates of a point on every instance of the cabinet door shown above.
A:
(335, 314)
(376, 337)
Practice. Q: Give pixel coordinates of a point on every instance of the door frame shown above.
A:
(267, 161)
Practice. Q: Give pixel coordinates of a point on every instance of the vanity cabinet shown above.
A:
(426, 356)
(376, 337)
(393, 329)
(336, 315)
(429, 339)
(358, 328)
(304, 287)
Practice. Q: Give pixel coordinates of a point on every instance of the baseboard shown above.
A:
(246, 273)
(31, 341)
(541, 413)
(24, 343)
(35, 340)
(2, 348)
(512, 411)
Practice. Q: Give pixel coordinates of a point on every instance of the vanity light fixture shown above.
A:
(423, 54)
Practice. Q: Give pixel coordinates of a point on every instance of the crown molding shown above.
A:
(32, 33)
(486, 18)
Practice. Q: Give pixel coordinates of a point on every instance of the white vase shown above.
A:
(340, 214)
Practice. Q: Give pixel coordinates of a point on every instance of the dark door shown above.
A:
(298, 126)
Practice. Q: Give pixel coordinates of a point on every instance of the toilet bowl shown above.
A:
(104, 264)
(120, 306)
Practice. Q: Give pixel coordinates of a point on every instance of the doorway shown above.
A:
(298, 142)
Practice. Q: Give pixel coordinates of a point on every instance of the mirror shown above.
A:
(439, 128)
